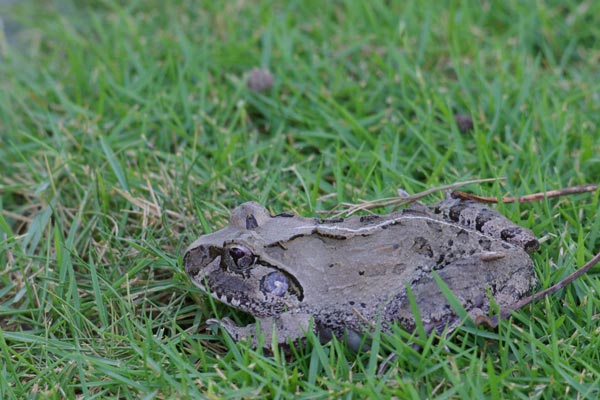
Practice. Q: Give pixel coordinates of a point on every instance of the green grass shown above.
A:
(126, 131)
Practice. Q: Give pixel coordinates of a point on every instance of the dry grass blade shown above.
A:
(150, 207)
(398, 201)
(528, 198)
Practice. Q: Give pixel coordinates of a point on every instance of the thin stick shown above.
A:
(528, 198)
(551, 290)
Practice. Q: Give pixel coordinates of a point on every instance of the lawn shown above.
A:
(127, 130)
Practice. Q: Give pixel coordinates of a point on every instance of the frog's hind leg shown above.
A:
(486, 220)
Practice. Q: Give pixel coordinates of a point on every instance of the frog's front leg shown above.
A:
(287, 327)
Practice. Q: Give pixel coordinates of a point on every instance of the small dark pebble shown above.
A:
(260, 80)
(464, 122)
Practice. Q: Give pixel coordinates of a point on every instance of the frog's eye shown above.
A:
(237, 258)
(275, 283)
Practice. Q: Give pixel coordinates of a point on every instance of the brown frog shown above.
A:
(344, 276)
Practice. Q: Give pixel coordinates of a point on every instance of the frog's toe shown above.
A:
(356, 341)
(325, 334)
(236, 332)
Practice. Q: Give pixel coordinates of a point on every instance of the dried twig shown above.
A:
(398, 201)
(528, 198)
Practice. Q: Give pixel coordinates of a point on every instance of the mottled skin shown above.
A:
(347, 275)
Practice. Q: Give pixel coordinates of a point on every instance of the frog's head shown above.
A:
(228, 265)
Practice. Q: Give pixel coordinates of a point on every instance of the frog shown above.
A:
(346, 277)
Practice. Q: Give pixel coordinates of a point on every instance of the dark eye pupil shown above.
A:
(238, 258)
(237, 253)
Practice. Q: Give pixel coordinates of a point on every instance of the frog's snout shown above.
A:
(196, 259)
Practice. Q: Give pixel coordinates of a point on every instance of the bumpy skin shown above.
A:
(343, 276)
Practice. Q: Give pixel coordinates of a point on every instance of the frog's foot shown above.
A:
(285, 328)
(236, 332)
(352, 338)
(356, 341)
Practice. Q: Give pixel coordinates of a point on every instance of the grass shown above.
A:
(126, 131)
